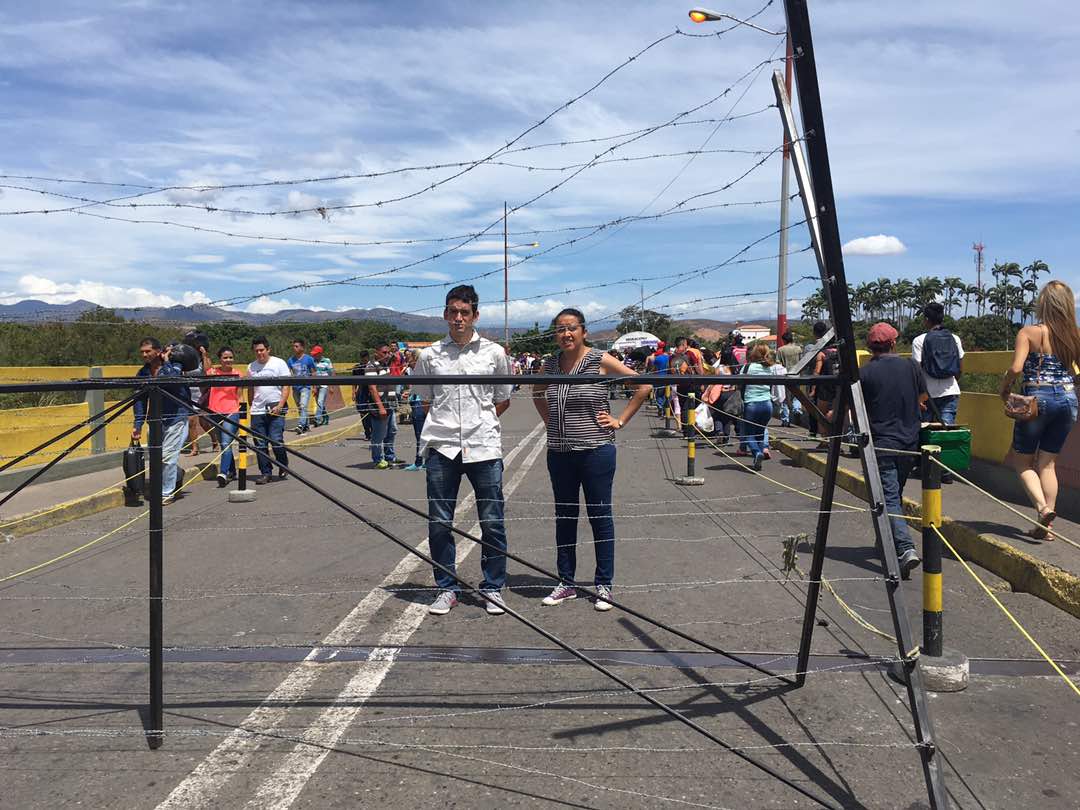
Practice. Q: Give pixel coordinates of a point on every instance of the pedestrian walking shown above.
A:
(894, 390)
(789, 355)
(269, 404)
(301, 364)
(1045, 357)
(463, 438)
(361, 395)
(224, 402)
(324, 367)
(939, 354)
(383, 401)
(416, 412)
(757, 404)
(174, 415)
(581, 453)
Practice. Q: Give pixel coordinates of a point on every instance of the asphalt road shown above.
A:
(304, 671)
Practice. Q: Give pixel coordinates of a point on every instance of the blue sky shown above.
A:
(947, 123)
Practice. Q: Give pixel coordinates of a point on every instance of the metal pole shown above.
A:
(242, 451)
(933, 635)
(690, 479)
(785, 182)
(157, 714)
(96, 402)
(506, 280)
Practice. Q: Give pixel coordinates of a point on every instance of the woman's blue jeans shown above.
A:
(592, 471)
(759, 414)
(227, 425)
(418, 417)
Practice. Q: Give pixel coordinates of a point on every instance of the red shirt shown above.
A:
(225, 399)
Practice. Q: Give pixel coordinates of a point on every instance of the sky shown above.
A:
(947, 124)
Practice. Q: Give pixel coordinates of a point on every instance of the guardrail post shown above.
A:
(156, 436)
(943, 670)
(240, 454)
(690, 479)
(96, 402)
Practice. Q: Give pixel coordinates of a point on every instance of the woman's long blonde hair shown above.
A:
(1056, 307)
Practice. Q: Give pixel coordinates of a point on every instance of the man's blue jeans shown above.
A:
(302, 396)
(173, 437)
(592, 471)
(273, 427)
(443, 480)
(947, 408)
(757, 414)
(227, 425)
(383, 434)
(894, 475)
(320, 403)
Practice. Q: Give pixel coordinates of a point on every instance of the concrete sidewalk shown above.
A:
(54, 502)
(982, 529)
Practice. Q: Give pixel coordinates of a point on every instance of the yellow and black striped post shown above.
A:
(240, 456)
(690, 479)
(667, 408)
(933, 636)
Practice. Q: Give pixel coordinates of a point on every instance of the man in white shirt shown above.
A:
(463, 437)
(268, 406)
(940, 362)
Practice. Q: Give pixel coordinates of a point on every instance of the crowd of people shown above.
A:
(457, 427)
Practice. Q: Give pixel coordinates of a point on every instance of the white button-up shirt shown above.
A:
(462, 418)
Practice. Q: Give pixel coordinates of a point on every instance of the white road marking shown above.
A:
(201, 787)
(280, 790)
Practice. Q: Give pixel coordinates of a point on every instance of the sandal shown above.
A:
(1046, 520)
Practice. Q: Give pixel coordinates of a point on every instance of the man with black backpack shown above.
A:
(938, 353)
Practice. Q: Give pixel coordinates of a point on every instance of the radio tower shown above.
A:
(978, 248)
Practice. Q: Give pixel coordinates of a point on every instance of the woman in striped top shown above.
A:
(581, 452)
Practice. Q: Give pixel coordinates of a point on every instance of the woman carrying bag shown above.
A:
(581, 452)
(1046, 355)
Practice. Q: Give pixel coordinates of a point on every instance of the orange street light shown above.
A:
(701, 15)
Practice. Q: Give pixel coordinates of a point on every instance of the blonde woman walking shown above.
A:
(1046, 355)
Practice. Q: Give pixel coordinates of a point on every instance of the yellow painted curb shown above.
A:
(1026, 574)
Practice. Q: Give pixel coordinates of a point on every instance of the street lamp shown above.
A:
(700, 15)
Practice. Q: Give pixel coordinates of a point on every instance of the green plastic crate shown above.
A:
(954, 441)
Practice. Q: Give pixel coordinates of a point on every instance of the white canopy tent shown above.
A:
(635, 340)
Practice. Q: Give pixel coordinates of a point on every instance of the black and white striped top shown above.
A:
(572, 409)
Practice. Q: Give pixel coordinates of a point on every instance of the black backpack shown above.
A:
(940, 355)
(830, 365)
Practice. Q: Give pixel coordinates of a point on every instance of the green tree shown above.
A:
(634, 319)
(533, 341)
(814, 307)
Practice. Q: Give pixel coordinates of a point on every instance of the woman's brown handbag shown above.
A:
(1022, 408)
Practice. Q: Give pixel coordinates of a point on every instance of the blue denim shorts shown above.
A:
(1049, 430)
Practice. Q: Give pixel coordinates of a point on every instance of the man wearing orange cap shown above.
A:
(893, 387)
(323, 368)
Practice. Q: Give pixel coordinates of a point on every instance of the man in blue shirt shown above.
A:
(174, 415)
(301, 364)
(657, 363)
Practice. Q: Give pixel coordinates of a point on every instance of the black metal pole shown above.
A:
(933, 634)
(157, 433)
(242, 448)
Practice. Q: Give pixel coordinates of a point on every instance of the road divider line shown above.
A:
(201, 788)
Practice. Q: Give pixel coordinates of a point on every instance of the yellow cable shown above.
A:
(1011, 509)
(1005, 610)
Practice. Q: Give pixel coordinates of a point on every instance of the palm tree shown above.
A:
(1033, 271)
(860, 300)
(954, 288)
(972, 291)
(814, 306)
(902, 297)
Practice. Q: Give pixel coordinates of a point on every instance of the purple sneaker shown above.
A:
(559, 595)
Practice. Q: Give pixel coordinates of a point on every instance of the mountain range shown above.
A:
(34, 311)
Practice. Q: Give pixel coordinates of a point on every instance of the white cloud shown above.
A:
(879, 245)
(106, 295)
(204, 258)
(264, 305)
(251, 267)
(547, 308)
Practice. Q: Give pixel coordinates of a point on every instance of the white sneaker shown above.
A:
(603, 593)
(443, 604)
(496, 606)
(559, 595)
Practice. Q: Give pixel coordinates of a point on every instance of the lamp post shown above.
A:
(506, 277)
(701, 15)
